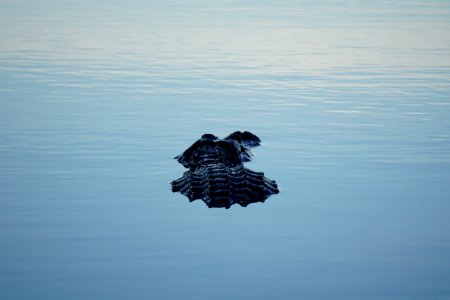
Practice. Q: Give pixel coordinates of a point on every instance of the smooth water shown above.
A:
(350, 98)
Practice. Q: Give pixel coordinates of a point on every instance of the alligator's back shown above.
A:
(217, 174)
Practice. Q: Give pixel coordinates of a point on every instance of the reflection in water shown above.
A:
(217, 174)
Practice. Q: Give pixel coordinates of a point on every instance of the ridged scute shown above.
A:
(217, 174)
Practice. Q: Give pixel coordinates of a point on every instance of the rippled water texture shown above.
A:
(350, 98)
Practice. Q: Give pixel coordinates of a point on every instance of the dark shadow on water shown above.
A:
(217, 174)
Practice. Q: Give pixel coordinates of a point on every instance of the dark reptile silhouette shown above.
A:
(217, 174)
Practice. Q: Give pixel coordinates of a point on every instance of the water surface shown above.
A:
(350, 99)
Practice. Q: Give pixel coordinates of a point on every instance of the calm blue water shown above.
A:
(350, 98)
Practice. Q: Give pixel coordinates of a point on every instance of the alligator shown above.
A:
(217, 174)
